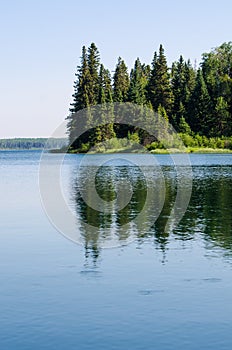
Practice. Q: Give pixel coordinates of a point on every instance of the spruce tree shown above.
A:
(81, 85)
(85, 94)
(178, 89)
(80, 99)
(105, 91)
(106, 113)
(190, 80)
(184, 127)
(221, 125)
(200, 106)
(200, 100)
(183, 82)
(138, 83)
(120, 82)
(159, 88)
(93, 64)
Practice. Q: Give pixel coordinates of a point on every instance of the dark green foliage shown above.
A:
(138, 83)
(86, 92)
(121, 82)
(222, 119)
(80, 97)
(81, 85)
(184, 127)
(183, 81)
(197, 103)
(105, 92)
(200, 106)
(217, 71)
(159, 88)
(93, 65)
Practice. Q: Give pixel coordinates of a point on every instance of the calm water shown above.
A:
(165, 290)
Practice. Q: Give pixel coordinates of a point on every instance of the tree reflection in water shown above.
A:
(208, 216)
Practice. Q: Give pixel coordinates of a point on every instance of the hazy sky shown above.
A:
(41, 44)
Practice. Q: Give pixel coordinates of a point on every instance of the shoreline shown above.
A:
(189, 150)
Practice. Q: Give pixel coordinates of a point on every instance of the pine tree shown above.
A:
(85, 94)
(182, 87)
(93, 64)
(81, 90)
(159, 88)
(138, 83)
(200, 100)
(80, 99)
(106, 113)
(222, 120)
(184, 127)
(120, 82)
(120, 93)
(105, 91)
(190, 80)
(200, 106)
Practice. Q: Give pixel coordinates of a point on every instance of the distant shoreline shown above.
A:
(59, 145)
(32, 143)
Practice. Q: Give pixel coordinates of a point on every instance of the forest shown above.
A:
(32, 143)
(197, 101)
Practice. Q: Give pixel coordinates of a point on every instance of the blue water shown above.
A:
(158, 292)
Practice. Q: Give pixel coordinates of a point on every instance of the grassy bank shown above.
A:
(181, 143)
(156, 151)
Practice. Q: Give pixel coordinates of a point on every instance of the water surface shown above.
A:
(165, 290)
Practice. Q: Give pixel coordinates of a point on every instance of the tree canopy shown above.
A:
(195, 101)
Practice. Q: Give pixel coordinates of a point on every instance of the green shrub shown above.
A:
(188, 140)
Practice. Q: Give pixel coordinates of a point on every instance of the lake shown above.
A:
(145, 286)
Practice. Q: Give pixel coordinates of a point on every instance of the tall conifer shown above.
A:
(120, 82)
(200, 106)
(159, 88)
(138, 83)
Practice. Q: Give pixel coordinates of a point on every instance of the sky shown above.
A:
(41, 45)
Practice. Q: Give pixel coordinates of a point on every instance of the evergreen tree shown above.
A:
(120, 82)
(184, 127)
(85, 94)
(93, 64)
(138, 83)
(105, 92)
(162, 112)
(106, 113)
(222, 120)
(200, 100)
(137, 94)
(178, 88)
(183, 81)
(200, 106)
(80, 99)
(190, 80)
(159, 88)
(81, 85)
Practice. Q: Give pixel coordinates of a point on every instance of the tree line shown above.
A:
(32, 143)
(196, 101)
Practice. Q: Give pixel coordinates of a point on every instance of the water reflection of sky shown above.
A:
(159, 292)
